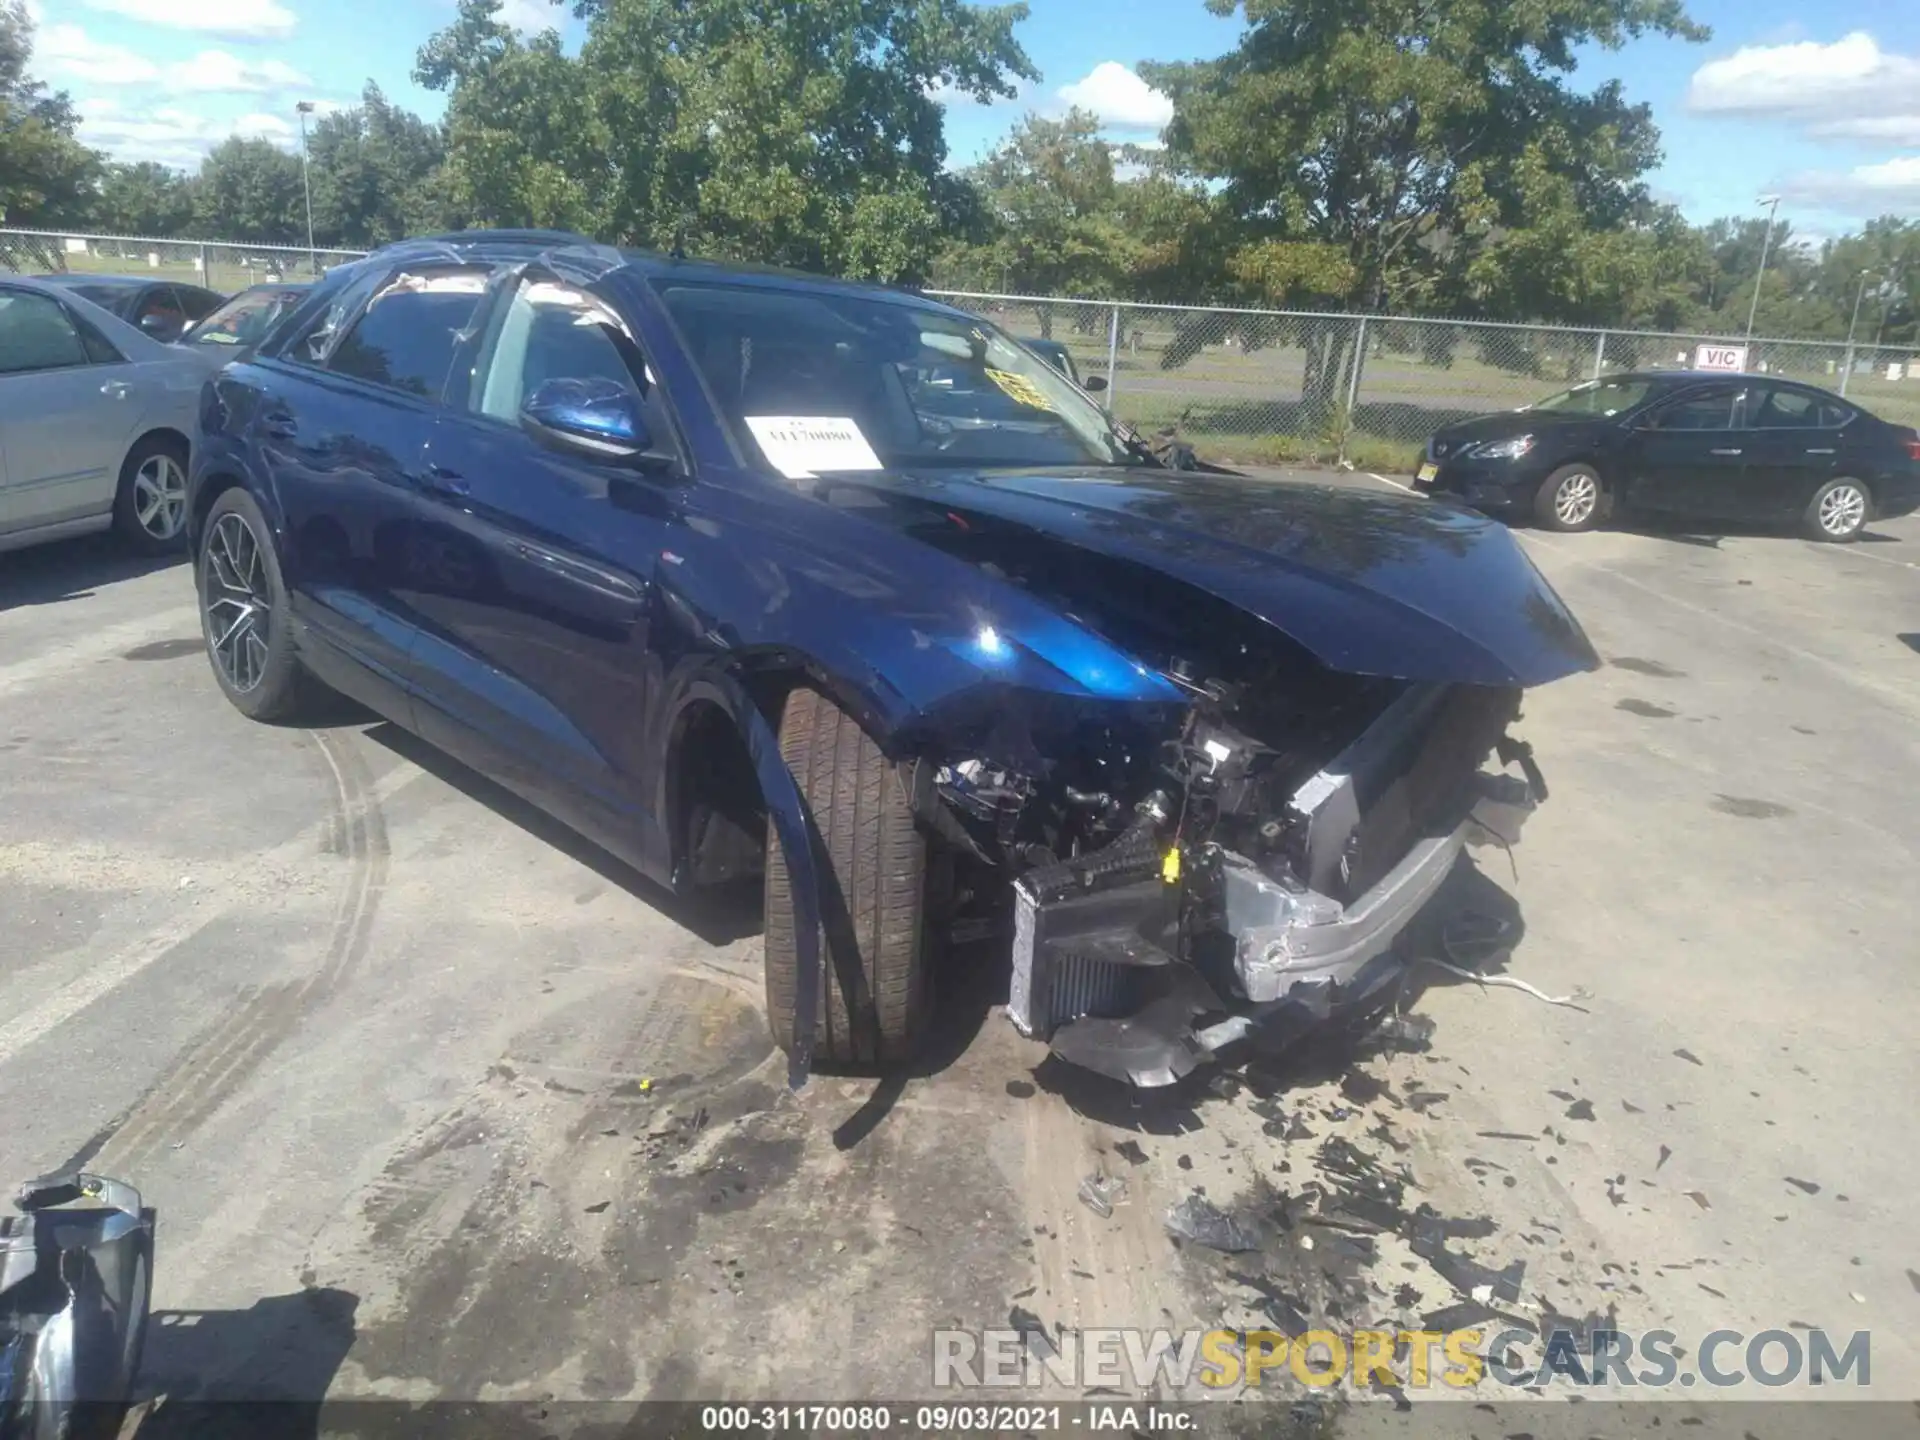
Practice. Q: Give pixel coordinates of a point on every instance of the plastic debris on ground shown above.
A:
(1100, 1193)
(1198, 1219)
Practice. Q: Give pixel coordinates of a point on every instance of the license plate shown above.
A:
(1427, 473)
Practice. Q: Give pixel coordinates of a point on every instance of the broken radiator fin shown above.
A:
(1083, 985)
(1021, 1005)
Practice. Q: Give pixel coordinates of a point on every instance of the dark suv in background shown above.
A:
(1703, 446)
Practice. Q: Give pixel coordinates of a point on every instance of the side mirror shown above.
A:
(599, 419)
(1094, 384)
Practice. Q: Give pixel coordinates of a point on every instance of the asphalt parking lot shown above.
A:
(435, 1101)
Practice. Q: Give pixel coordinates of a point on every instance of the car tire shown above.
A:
(150, 501)
(1838, 512)
(874, 881)
(237, 568)
(1572, 498)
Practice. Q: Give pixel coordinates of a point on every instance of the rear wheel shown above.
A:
(243, 614)
(150, 504)
(875, 993)
(1569, 499)
(1838, 511)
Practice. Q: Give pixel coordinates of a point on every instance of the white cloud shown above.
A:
(530, 17)
(172, 136)
(69, 50)
(1864, 190)
(1121, 99)
(218, 72)
(237, 19)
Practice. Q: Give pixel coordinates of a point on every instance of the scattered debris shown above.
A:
(1021, 1089)
(1698, 1197)
(1198, 1219)
(1665, 1155)
(1507, 982)
(599, 1208)
(1856, 1297)
(1421, 1101)
(1913, 1279)
(1689, 1057)
(1615, 1194)
(1130, 1151)
(1185, 1162)
(1580, 1110)
(1032, 1330)
(1501, 1135)
(1631, 1108)
(1809, 1186)
(1395, 1031)
(1563, 1095)
(1100, 1192)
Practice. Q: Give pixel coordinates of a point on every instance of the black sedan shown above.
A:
(1697, 445)
(243, 322)
(160, 309)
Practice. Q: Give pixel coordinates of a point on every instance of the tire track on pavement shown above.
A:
(202, 1078)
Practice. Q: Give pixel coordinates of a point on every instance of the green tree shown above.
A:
(375, 173)
(144, 198)
(250, 191)
(800, 132)
(1050, 207)
(1411, 138)
(47, 176)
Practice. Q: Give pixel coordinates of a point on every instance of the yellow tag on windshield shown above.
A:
(1019, 389)
(1170, 867)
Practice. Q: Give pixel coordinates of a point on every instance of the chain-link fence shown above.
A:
(1238, 384)
(1275, 385)
(218, 266)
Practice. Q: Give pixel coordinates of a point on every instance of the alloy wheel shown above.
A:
(1574, 501)
(160, 496)
(1843, 510)
(237, 602)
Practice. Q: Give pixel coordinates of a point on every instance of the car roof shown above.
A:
(594, 261)
(79, 277)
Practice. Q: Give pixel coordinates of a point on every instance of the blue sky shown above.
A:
(1820, 104)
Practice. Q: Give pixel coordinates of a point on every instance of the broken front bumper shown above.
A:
(1096, 979)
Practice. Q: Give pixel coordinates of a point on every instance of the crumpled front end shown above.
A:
(1263, 885)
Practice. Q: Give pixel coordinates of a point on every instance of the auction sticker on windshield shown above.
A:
(799, 446)
(1019, 389)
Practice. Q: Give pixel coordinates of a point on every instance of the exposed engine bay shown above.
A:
(1183, 879)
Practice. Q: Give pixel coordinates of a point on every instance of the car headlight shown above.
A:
(1504, 449)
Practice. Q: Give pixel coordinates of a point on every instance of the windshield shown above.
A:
(882, 383)
(245, 319)
(1596, 397)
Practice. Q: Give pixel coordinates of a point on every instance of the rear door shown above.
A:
(529, 569)
(342, 429)
(1685, 457)
(69, 403)
(1793, 446)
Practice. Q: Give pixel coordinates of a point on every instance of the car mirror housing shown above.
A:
(1094, 384)
(597, 419)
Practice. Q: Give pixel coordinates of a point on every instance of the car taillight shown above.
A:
(1913, 448)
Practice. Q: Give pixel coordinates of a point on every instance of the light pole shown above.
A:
(304, 108)
(1772, 202)
(1861, 294)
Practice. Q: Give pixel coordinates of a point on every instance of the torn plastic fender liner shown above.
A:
(794, 827)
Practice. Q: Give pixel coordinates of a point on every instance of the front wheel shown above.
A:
(243, 613)
(875, 994)
(1838, 512)
(1570, 499)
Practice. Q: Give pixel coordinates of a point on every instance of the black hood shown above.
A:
(1370, 583)
(1503, 425)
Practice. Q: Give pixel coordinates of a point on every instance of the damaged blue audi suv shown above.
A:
(847, 597)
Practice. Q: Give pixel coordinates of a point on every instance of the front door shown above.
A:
(530, 567)
(1686, 457)
(343, 431)
(69, 404)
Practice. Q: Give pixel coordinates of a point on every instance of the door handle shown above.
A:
(118, 389)
(443, 481)
(1726, 452)
(279, 425)
(1823, 452)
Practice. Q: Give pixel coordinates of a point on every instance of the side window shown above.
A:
(406, 337)
(1833, 414)
(159, 315)
(100, 350)
(549, 331)
(196, 303)
(1710, 409)
(36, 333)
(1772, 408)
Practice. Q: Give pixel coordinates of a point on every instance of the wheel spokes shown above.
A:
(238, 605)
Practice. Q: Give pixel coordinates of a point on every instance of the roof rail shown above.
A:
(547, 238)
